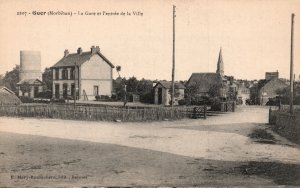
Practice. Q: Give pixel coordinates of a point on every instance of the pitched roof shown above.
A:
(264, 82)
(79, 59)
(4, 89)
(168, 85)
(31, 82)
(7, 98)
(205, 81)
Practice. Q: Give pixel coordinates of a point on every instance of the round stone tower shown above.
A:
(30, 65)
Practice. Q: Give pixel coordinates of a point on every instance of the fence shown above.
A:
(227, 106)
(286, 124)
(107, 113)
(287, 107)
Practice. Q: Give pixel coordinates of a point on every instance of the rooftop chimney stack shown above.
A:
(66, 52)
(79, 50)
(95, 49)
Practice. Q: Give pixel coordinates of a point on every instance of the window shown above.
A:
(72, 89)
(96, 90)
(72, 74)
(64, 74)
(56, 74)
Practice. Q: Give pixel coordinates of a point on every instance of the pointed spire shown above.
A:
(220, 64)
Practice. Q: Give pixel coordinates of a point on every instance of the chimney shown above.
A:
(95, 49)
(66, 52)
(79, 50)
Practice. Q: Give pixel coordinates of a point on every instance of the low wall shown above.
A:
(285, 124)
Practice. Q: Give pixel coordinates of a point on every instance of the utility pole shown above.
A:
(292, 67)
(173, 58)
(75, 85)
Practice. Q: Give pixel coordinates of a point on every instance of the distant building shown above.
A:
(89, 73)
(202, 83)
(271, 75)
(267, 88)
(162, 93)
(30, 75)
(220, 64)
(243, 92)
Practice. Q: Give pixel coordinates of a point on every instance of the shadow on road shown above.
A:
(280, 173)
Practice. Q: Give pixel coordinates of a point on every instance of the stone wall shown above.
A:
(285, 124)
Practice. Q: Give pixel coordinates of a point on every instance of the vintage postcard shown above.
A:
(159, 93)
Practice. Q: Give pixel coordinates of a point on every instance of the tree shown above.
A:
(118, 68)
(132, 84)
(284, 94)
(11, 78)
(25, 88)
(214, 91)
(47, 78)
(191, 92)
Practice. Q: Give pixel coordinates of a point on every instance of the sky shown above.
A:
(254, 35)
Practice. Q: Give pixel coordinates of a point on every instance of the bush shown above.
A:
(114, 97)
(200, 101)
(215, 104)
(102, 98)
(45, 95)
(26, 99)
(272, 102)
(182, 102)
(147, 97)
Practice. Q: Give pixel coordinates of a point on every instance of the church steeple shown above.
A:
(220, 65)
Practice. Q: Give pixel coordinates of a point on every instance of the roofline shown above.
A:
(99, 53)
(170, 88)
(31, 79)
(10, 91)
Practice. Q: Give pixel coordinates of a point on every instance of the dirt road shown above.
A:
(216, 152)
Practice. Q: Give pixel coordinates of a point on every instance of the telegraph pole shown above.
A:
(173, 58)
(292, 67)
(75, 85)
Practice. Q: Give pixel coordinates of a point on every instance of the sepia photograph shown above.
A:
(182, 93)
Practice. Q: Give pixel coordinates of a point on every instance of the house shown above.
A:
(243, 92)
(208, 84)
(162, 92)
(30, 87)
(8, 97)
(89, 73)
(201, 84)
(30, 74)
(267, 88)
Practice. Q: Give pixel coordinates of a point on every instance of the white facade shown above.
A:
(89, 73)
